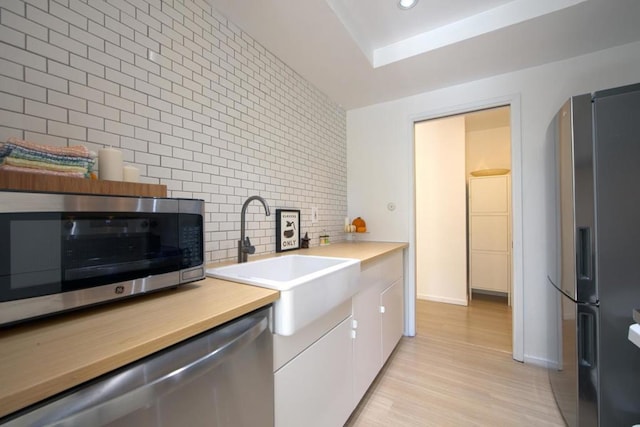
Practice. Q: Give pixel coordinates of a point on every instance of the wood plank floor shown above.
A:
(458, 371)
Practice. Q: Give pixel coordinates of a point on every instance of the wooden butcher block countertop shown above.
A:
(44, 357)
(366, 252)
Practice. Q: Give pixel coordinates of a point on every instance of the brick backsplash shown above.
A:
(194, 102)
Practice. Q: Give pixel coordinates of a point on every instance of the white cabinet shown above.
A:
(490, 233)
(392, 310)
(315, 387)
(366, 344)
(378, 316)
(322, 371)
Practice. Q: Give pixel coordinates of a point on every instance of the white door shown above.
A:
(441, 225)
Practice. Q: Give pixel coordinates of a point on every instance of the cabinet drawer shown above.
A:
(315, 388)
(383, 271)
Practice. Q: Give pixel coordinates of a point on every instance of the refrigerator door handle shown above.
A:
(586, 339)
(584, 264)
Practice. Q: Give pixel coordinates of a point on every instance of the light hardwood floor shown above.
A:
(458, 371)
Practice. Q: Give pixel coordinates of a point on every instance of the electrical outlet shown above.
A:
(314, 215)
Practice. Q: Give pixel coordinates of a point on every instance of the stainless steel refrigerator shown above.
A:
(594, 269)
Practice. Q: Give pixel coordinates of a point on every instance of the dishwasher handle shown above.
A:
(108, 400)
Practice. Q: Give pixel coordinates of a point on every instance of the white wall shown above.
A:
(489, 149)
(382, 136)
(189, 98)
(441, 224)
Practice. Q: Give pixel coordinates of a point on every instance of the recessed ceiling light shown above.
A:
(407, 4)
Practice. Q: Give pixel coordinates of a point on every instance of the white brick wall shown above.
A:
(191, 100)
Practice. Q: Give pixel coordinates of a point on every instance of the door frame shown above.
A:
(513, 101)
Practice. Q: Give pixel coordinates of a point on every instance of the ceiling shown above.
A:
(362, 52)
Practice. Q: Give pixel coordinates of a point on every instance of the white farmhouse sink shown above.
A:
(309, 286)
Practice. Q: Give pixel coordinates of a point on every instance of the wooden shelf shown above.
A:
(22, 181)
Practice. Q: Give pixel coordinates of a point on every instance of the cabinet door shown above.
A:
(489, 194)
(489, 233)
(316, 387)
(490, 271)
(367, 351)
(392, 308)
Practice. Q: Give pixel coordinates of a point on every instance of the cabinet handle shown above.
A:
(382, 310)
(353, 334)
(354, 324)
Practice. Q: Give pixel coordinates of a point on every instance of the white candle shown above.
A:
(131, 173)
(110, 164)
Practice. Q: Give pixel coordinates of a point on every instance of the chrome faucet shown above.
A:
(244, 244)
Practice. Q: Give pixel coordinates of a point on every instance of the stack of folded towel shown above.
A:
(19, 155)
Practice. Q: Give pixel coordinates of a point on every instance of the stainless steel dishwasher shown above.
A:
(223, 377)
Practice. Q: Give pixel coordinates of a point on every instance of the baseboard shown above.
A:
(492, 293)
(539, 361)
(455, 301)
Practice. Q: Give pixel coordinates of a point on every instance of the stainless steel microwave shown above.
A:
(60, 252)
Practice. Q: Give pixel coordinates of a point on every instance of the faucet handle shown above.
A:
(247, 246)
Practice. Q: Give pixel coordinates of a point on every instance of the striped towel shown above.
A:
(42, 171)
(18, 152)
(75, 150)
(32, 157)
(31, 164)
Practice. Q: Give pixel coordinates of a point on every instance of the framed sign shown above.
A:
(287, 229)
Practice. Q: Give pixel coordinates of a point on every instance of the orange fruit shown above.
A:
(359, 222)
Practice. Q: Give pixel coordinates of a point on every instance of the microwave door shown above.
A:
(32, 264)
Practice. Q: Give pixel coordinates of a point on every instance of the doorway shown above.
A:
(463, 201)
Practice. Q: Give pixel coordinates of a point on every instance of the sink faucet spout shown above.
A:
(244, 244)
